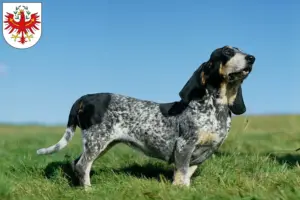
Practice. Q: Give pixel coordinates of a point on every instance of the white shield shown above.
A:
(22, 24)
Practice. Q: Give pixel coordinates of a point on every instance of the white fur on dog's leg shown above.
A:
(184, 179)
(87, 181)
(87, 188)
(192, 170)
(181, 179)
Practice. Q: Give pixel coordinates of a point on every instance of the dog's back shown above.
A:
(114, 117)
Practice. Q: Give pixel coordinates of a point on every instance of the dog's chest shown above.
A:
(211, 128)
(211, 125)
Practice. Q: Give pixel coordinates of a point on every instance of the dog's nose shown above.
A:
(250, 59)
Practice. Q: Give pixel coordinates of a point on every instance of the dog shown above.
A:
(184, 133)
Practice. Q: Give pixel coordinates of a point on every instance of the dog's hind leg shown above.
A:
(83, 168)
(93, 148)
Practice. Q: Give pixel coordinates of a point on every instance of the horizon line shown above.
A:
(64, 123)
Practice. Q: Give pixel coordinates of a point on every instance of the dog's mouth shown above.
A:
(240, 74)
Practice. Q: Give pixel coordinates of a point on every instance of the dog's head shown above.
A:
(222, 75)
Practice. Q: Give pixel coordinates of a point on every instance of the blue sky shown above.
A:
(148, 49)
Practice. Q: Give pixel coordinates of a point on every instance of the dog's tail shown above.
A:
(69, 133)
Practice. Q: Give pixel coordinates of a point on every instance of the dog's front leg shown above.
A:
(183, 171)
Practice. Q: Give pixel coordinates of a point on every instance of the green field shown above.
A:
(257, 161)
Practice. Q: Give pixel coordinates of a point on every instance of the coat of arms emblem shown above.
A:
(22, 24)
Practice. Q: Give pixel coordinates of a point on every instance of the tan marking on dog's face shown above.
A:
(227, 93)
(232, 92)
(222, 94)
(80, 107)
(231, 99)
(222, 70)
(202, 78)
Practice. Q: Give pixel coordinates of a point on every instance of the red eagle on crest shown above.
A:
(24, 26)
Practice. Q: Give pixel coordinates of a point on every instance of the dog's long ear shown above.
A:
(195, 87)
(238, 107)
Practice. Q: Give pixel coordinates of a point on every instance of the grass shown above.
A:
(257, 161)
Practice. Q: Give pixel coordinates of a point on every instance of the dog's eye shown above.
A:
(228, 51)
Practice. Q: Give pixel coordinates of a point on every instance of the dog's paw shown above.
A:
(88, 188)
(181, 184)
